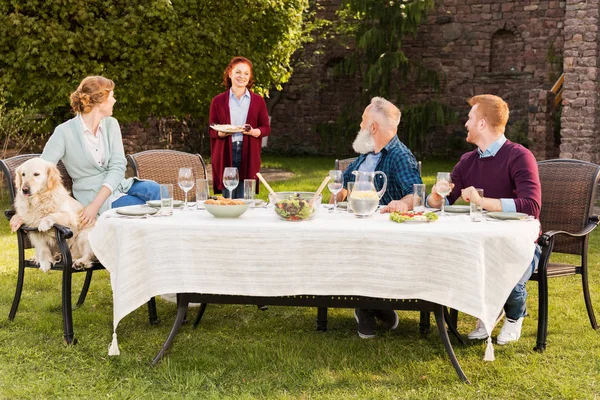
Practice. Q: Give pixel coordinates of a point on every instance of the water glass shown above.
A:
(250, 190)
(202, 193)
(186, 183)
(335, 185)
(166, 199)
(443, 186)
(419, 195)
(476, 211)
(350, 187)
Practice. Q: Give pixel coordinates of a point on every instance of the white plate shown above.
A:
(156, 203)
(507, 215)
(228, 128)
(136, 211)
(457, 209)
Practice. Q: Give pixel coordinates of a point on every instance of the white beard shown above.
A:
(364, 142)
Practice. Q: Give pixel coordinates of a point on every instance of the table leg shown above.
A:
(451, 320)
(441, 324)
(200, 314)
(182, 307)
(322, 319)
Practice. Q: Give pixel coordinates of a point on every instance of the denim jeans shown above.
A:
(516, 307)
(139, 193)
(236, 161)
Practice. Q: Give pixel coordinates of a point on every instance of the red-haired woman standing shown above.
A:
(237, 106)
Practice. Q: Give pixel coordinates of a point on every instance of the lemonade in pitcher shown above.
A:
(364, 198)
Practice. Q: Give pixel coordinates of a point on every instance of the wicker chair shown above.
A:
(62, 234)
(567, 218)
(162, 166)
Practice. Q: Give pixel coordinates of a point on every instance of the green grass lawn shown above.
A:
(239, 352)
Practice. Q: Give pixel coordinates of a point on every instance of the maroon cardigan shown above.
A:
(220, 148)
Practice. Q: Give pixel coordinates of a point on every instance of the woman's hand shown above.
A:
(88, 214)
(15, 223)
(254, 132)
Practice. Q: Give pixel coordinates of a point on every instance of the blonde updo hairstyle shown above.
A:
(92, 91)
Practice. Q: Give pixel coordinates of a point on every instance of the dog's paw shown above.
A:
(81, 263)
(45, 224)
(45, 266)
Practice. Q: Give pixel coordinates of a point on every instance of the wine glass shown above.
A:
(335, 184)
(443, 186)
(186, 182)
(231, 179)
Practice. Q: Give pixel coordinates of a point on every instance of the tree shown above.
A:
(165, 56)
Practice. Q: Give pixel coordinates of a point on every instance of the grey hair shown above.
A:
(387, 112)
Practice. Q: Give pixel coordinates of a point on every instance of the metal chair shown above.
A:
(65, 264)
(567, 218)
(162, 166)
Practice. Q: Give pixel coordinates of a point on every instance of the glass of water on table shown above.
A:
(335, 185)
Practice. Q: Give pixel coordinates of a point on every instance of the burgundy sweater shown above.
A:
(511, 174)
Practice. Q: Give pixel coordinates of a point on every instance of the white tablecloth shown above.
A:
(468, 266)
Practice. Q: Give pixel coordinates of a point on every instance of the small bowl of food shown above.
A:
(225, 208)
(295, 206)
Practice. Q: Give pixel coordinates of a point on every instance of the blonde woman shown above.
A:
(91, 148)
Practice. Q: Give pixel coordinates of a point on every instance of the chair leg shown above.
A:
(322, 319)
(152, 315)
(85, 288)
(200, 314)
(542, 332)
(67, 309)
(586, 296)
(18, 290)
(440, 321)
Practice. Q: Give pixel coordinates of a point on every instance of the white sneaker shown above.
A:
(479, 333)
(511, 331)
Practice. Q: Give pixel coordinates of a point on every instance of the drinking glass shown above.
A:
(186, 183)
(476, 209)
(443, 186)
(166, 199)
(231, 178)
(250, 190)
(349, 188)
(201, 193)
(335, 185)
(418, 197)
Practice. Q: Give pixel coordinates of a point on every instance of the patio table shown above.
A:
(468, 266)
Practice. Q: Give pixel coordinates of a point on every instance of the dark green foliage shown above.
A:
(166, 57)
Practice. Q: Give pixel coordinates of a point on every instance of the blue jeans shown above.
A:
(236, 161)
(139, 193)
(516, 307)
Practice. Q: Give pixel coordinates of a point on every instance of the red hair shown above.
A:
(234, 61)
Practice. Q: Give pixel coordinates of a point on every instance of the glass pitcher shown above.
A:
(364, 198)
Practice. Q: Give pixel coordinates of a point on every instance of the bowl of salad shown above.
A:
(295, 206)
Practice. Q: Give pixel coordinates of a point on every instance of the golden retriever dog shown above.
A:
(42, 201)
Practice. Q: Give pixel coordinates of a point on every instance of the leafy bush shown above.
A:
(165, 56)
(20, 129)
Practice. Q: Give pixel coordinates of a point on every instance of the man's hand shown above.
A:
(394, 206)
(15, 223)
(469, 194)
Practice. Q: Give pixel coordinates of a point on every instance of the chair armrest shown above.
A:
(9, 213)
(544, 239)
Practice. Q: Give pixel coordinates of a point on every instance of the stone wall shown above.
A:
(507, 48)
(580, 120)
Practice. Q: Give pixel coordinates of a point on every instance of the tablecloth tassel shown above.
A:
(489, 351)
(113, 349)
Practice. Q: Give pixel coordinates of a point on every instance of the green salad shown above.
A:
(294, 209)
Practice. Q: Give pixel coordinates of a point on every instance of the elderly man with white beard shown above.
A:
(381, 150)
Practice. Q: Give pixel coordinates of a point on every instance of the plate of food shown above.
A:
(457, 209)
(225, 208)
(507, 215)
(226, 128)
(413, 217)
(136, 211)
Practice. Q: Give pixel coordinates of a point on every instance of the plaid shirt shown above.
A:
(400, 167)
